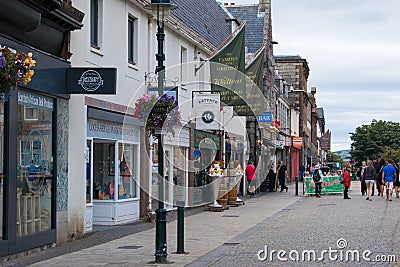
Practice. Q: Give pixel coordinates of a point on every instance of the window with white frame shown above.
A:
(132, 43)
(31, 114)
(183, 69)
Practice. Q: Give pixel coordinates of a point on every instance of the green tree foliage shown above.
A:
(376, 140)
(336, 158)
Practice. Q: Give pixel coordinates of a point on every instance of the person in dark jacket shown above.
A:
(369, 174)
(282, 175)
(271, 175)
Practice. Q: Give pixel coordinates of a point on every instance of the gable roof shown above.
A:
(205, 17)
(254, 25)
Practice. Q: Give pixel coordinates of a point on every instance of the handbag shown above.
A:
(341, 179)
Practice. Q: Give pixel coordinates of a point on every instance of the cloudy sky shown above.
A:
(353, 51)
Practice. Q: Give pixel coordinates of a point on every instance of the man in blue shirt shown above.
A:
(388, 175)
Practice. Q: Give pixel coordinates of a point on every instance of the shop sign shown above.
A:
(169, 91)
(108, 130)
(207, 109)
(91, 81)
(34, 100)
(266, 117)
(297, 142)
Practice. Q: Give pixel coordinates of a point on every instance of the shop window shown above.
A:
(88, 158)
(109, 184)
(35, 175)
(2, 174)
(31, 114)
(127, 182)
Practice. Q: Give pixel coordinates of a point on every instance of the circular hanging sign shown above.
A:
(90, 80)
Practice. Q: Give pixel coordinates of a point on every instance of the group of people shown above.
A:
(280, 176)
(345, 178)
(384, 174)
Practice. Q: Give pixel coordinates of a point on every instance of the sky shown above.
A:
(353, 51)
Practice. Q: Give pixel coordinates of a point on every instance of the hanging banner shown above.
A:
(207, 110)
(325, 141)
(227, 70)
(255, 100)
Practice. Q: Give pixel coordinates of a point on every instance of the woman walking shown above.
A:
(369, 178)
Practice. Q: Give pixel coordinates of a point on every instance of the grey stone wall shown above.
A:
(62, 170)
(62, 154)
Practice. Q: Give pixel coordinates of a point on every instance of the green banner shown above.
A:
(227, 70)
(256, 102)
(330, 185)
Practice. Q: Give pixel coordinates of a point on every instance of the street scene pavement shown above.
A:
(272, 229)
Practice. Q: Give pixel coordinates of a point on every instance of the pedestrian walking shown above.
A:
(388, 174)
(381, 185)
(282, 175)
(347, 181)
(317, 178)
(396, 183)
(369, 173)
(271, 175)
(360, 175)
(251, 178)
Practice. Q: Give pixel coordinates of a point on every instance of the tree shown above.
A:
(376, 140)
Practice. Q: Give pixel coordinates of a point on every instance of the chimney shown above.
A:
(227, 4)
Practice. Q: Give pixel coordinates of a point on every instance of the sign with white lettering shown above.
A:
(91, 81)
(266, 117)
(34, 100)
(114, 131)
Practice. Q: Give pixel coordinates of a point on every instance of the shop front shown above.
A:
(176, 147)
(32, 161)
(112, 168)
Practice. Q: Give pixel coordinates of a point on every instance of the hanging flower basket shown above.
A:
(15, 67)
(157, 113)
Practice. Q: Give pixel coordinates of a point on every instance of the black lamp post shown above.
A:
(160, 9)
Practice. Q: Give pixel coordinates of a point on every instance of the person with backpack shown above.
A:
(317, 178)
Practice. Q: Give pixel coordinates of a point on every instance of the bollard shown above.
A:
(181, 229)
(303, 187)
(297, 185)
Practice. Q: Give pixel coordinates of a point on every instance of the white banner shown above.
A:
(207, 110)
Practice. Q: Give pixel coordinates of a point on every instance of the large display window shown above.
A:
(35, 175)
(113, 170)
(2, 174)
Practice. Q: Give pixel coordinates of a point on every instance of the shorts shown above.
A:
(389, 185)
(367, 181)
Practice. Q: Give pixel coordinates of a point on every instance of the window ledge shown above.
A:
(96, 51)
(133, 66)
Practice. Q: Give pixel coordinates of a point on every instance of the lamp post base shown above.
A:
(161, 236)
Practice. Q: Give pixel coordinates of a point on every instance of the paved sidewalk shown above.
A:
(204, 232)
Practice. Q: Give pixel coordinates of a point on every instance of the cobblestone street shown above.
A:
(319, 224)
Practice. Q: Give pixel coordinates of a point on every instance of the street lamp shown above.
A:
(160, 10)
